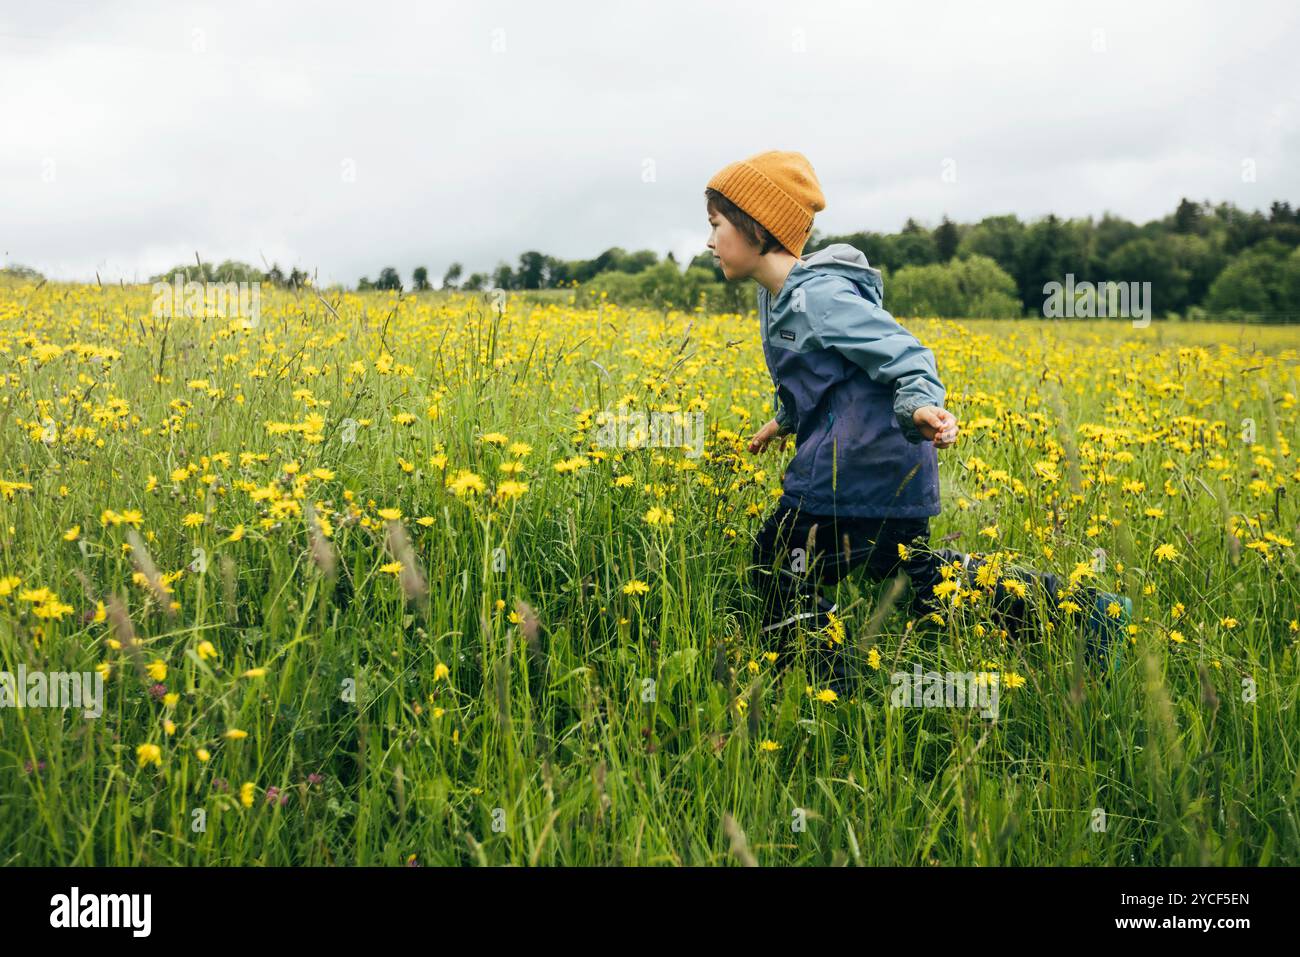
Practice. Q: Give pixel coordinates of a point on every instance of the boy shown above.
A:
(864, 400)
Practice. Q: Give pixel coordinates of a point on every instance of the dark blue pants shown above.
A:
(798, 553)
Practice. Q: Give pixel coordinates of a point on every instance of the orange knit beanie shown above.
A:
(778, 189)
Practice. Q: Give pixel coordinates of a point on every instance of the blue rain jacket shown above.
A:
(848, 378)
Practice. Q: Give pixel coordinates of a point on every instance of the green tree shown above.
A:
(1258, 284)
(987, 290)
(1281, 212)
(1109, 234)
(557, 273)
(606, 262)
(27, 274)
(705, 261)
(531, 272)
(420, 279)
(914, 246)
(1051, 250)
(1150, 260)
(228, 271)
(973, 286)
(925, 291)
(946, 239)
(1201, 261)
(997, 237)
(1187, 218)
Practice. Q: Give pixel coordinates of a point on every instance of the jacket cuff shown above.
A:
(904, 411)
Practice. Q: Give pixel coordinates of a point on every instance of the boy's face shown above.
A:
(736, 255)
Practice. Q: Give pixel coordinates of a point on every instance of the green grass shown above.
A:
(546, 750)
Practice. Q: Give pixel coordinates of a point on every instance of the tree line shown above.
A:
(1202, 261)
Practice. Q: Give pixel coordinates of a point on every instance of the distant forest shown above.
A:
(1202, 261)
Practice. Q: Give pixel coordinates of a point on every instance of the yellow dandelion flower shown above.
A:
(657, 516)
(511, 490)
(834, 629)
(1015, 587)
(466, 483)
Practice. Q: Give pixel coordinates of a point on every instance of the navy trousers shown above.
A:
(797, 554)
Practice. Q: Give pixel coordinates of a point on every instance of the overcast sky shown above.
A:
(342, 137)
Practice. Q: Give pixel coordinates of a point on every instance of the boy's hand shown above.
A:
(937, 424)
(765, 435)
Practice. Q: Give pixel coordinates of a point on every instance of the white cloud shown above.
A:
(480, 130)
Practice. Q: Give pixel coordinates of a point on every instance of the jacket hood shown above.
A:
(851, 263)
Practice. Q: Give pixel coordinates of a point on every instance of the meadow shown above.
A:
(365, 588)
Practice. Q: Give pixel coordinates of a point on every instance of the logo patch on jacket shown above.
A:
(787, 334)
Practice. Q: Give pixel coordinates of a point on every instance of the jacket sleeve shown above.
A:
(871, 338)
(784, 418)
(786, 421)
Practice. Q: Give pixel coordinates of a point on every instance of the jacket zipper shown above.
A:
(776, 391)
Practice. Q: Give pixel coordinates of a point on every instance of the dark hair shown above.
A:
(745, 224)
